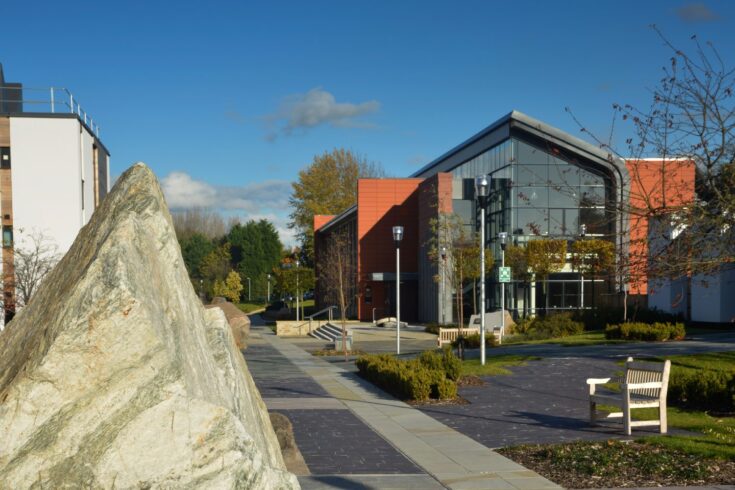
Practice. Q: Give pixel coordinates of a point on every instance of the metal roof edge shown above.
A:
(341, 216)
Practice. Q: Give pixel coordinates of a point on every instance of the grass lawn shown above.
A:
(494, 365)
(596, 337)
(250, 307)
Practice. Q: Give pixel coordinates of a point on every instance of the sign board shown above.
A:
(503, 274)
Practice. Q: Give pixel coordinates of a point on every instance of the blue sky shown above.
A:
(226, 101)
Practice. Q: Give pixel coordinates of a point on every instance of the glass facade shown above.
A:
(536, 192)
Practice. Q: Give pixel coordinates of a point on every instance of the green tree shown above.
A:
(288, 277)
(255, 249)
(517, 259)
(215, 266)
(544, 257)
(194, 248)
(230, 288)
(326, 186)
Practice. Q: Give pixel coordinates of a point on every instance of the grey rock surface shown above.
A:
(115, 376)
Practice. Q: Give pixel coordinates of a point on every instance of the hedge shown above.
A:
(643, 331)
(431, 375)
(473, 341)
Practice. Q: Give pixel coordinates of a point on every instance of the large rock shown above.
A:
(116, 376)
(238, 320)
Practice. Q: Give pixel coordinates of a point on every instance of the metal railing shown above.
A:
(54, 100)
(330, 315)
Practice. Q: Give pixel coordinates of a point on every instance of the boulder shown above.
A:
(238, 320)
(115, 375)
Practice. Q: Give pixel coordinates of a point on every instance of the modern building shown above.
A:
(54, 171)
(544, 183)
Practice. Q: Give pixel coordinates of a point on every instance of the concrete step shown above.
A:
(328, 332)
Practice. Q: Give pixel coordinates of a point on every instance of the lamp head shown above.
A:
(582, 230)
(503, 237)
(297, 263)
(481, 186)
(397, 234)
(444, 253)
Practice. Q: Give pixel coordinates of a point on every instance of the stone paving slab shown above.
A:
(364, 482)
(299, 403)
(433, 446)
(337, 442)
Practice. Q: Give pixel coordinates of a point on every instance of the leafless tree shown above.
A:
(35, 254)
(198, 220)
(337, 274)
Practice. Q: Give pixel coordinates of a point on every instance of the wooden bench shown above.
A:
(449, 335)
(644, 386)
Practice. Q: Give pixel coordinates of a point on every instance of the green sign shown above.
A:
(503, 274)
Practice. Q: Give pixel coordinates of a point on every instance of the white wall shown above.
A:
(46, 173)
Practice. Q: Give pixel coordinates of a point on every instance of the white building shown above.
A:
(54, 171)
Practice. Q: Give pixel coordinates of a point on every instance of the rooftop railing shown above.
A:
(14, 98)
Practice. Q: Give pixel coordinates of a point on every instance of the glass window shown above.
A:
(528, 155)
(595, 219)
(533, 221)
(591, 196)
(531, 175)
(464, 209)
(588, 178)
(531, 197)
(7, 236)
(563, 174)
(563, 197)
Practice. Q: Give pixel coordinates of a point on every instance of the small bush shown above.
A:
(452, 365)
(702, 389)
(643, 331)
(416, 379)
(552, 326)
(445, 390)
(594, 319)
(473, 341)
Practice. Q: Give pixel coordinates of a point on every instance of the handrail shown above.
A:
(328, 310)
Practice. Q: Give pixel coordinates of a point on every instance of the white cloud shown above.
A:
(317, 107)
(696, 12)
(262, 200)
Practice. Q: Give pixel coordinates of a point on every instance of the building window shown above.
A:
(4, 157)
(7, 236)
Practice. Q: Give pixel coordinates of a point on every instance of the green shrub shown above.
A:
(594, 319)
(552, 326)
(643, 331)
(702, 389)
(452, 365)
(473, 341)
(432, 328)
(445, 390)
(416, 379)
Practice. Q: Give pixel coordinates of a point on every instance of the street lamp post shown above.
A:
(397, 237)
(249, 297)
(503, 236)
(481, 188)
(268, 277)
(297, 289)
(443, 294)
(582, 233)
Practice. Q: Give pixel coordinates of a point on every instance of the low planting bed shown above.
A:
(620, 464)
(432, 375)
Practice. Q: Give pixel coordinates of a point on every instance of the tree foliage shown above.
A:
(327, 186)
(255, 250)
(198, 220)
(194, 247)
(593, 256)
(546, 256)
(230, 288)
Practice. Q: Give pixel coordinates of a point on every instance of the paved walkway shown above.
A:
(352, 435)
